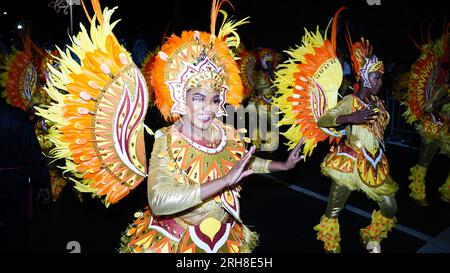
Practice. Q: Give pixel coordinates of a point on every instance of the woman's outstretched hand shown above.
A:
(292, 160)
(294, 156)
(214, 187)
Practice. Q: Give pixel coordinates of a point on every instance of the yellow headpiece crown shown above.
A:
(198, 59)
(363, 60)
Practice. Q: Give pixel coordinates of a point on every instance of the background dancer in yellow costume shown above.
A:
(308, 87)
(196, 163)
(359, 162)
(428, 106)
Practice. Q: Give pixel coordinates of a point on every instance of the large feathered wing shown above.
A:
(420, 82)
(308, 84)
(422, 79)
(19, 79)
(100, 102)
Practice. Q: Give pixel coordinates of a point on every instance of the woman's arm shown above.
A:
(168, 196)
(214, 187)
(342, 114)
(292, 160)
(336, 116)
(259, 165)
(165, 194)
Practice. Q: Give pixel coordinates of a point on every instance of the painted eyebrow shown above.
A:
(198, 94)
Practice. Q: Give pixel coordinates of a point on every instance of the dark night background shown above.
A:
(274, 24)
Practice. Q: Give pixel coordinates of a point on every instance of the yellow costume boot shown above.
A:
(328, 233)
(417, 184)
(377, 230)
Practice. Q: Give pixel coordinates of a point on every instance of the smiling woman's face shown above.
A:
(201, 107)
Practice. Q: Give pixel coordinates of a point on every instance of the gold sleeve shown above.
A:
(343, 107)
(259, 165)
(165, 195)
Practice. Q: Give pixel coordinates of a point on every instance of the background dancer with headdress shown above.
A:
(358, 162)
(428, 105)
(22, 166)
(308, 87)
(23, 79)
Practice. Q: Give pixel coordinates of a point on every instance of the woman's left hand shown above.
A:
(294, 156)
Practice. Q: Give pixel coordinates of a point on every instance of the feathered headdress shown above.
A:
(198, 59)
(268, 55)
(364, 62)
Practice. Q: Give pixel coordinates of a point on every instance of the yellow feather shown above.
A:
(83, 188)
(229, 27)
